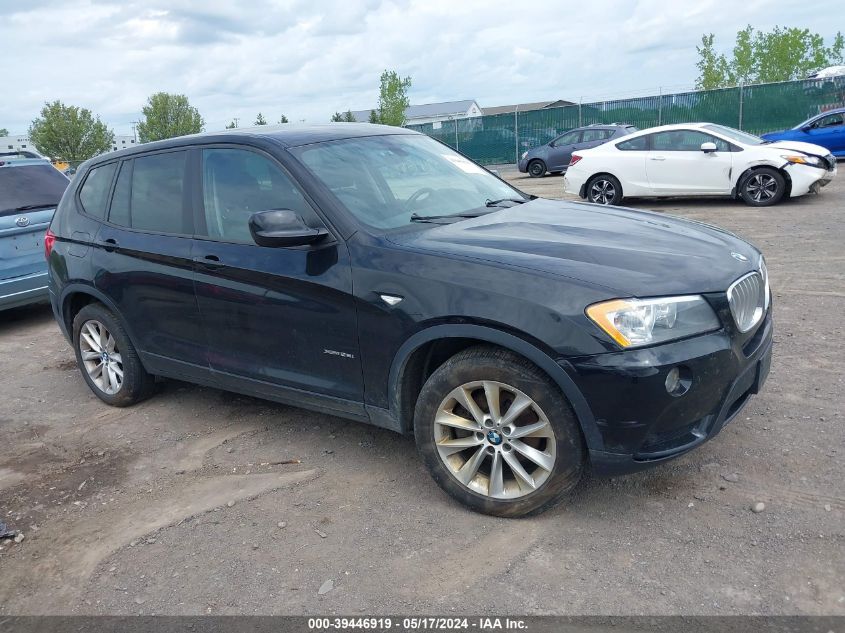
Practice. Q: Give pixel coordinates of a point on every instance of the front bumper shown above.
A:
(642, 425)
(806, 179)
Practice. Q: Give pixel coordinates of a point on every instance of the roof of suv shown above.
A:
(286, 135)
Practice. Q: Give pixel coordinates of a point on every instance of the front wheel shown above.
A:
(763, 187)
(604, 189)
(497, 434)
(536, 169)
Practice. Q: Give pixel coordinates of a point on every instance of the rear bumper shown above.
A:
(21, 291)
(641, 424)
(522, 165)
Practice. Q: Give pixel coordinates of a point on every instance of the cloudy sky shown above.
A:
(308, 58)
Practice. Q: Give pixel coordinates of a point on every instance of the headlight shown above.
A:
(524, 154)
(812, 161)
(637, 322)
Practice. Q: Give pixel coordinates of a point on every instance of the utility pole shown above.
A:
(660, 105)
(740, 106)
(516, 131)
(135, 130)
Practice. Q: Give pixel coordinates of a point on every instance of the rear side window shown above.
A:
(635, 144)
(595, 135)
(95, 190)
(150, 194)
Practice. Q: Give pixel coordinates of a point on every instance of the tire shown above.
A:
(604, 189)
(555, 441)
(103, 373)
(536, 169)
(763, 187)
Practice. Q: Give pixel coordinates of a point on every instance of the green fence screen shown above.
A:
(501, 138)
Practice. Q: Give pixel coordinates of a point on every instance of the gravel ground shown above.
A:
(180, 505)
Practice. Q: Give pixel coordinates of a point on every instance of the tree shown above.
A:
(781, 54)
(232, 125)
(374, 117)
(284, 119)
(260, 120)
(393, 98)
(69, 133)
(4, 131)
(168, 115)
(345, 117)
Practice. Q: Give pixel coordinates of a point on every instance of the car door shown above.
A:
(828, 131)
(278, 321)
(561, 152)
(141, 260)
(676, 164)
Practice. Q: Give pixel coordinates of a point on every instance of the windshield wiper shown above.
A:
(415, 217)
(30, 207)
(496, 203)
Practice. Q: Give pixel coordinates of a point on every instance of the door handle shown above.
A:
(209, 262)
(109, 244)
(657, 158)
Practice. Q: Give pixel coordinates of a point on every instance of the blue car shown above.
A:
(826, 129)
(30, 190)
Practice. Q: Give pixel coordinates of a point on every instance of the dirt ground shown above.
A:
(179, 505)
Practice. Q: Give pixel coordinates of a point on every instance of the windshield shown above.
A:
(386, 181)
(742, 137)
(31, 186)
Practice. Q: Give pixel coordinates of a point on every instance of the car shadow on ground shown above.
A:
(25, 316)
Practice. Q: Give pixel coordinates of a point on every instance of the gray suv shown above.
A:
(555, 155)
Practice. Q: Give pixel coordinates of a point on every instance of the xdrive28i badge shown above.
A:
(22, 221)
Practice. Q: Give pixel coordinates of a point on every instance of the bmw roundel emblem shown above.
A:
(739, 256)
(494, 438)
(22, 221)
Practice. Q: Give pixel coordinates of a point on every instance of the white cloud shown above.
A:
(307, 58)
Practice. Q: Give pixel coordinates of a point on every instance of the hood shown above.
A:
(629, 252)
(799, 146)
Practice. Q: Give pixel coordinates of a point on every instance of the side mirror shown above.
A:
(806, 128)
(708, 148)
(281, 228)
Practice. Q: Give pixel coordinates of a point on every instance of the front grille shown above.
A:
(747, 298)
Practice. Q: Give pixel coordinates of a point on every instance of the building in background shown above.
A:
(432, 112)
(527, 107)
(17, 143)
(123, 141)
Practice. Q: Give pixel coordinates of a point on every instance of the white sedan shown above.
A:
(698, 159)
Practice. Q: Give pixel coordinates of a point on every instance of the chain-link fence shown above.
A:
(501, 138)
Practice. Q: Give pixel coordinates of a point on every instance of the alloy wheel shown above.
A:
(494, 439)
(101, 357)
(602, 192)
(761, 187)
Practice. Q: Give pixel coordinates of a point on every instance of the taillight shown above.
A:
(49, 240)
(575, 159)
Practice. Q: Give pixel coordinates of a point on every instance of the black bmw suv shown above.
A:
(373, 273)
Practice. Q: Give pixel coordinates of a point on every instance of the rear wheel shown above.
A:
(604, 189)
(536, 169)
(107, 359)
(496, 433)
(763, 187)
